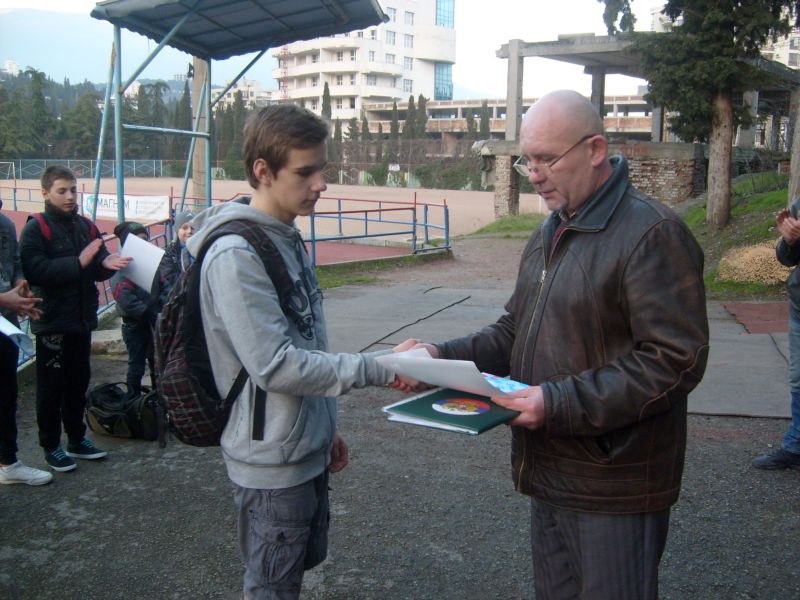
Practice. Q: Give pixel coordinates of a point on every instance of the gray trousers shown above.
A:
(590, 556)
(282, 533)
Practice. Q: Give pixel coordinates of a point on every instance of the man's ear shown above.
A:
(599, 150)
(262, 171)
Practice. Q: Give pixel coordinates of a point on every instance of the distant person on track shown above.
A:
(607, 324)
(63, 256)
(788, 254)
(16, 299)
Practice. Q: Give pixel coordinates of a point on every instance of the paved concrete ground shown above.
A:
(418, 514)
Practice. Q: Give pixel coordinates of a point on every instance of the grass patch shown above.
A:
(513, 224)
(368, 271)
(752, 221)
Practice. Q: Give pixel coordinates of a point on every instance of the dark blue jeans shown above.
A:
(8, 401)
(138, 338)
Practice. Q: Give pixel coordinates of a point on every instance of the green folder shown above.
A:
(450, 410)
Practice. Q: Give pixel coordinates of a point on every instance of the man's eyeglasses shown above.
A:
(525, 167)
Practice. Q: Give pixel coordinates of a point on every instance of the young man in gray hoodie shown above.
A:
(280, 481)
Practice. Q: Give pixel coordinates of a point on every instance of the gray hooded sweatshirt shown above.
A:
(245, 326)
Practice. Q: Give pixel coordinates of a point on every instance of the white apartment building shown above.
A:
(411, 54)
(253, 94)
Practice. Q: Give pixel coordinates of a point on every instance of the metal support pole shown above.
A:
(120, 166)
(190, 158)
(208, 131)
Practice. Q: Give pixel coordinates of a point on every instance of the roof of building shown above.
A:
(219, 29)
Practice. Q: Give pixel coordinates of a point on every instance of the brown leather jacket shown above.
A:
(612, 324)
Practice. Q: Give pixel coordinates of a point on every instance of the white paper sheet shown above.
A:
(460, 375)
(146, 258)
(17, 336)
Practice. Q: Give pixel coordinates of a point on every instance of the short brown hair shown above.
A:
(54, 172)
(275, 130)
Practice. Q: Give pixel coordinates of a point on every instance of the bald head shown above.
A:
(562, 139)
(567, 111)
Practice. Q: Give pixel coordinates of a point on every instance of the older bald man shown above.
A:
(607, 323)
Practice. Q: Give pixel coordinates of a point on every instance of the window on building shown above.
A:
(339, 56)
(338, 103)
(301, 60)
(372, 80)
(390, 59)
(390, 38)
(408, 40)
(443, 81)
(353, 54)
(315, 57)
(408, 86)
(352, 78)
(391, 13)
(373, 34)
(314, 104)
(339, 79)
(794, 59)
(314, 81)
(372, 56)
(408, 63)
(445, 10)
(352, 102)
(794, 43)
(409, 18)
(361, 34)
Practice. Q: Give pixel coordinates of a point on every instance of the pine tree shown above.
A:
(326, 102)
(699, 70)
(422, 117)
(394, 124)
(471, 130)
(410, 127)
(485, 128)
(352, 130)
(365, 133)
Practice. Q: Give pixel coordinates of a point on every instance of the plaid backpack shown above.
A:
(196, 412)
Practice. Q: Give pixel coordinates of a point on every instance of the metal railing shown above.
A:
(422, 227)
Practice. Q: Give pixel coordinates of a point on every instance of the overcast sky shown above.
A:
(481, 28)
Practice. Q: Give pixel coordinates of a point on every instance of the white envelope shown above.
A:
(460, 375)
(146, 258)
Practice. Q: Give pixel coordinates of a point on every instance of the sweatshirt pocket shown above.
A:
(311, 432)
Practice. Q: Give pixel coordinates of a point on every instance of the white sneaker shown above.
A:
(19, 473)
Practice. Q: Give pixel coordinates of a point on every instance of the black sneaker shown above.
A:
(59, 461)
(780, 459)
(85, 449)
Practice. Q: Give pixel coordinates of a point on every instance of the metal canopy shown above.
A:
(219, 29)
(212, 30)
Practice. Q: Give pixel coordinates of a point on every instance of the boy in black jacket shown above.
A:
(63, 256)
(138, 309)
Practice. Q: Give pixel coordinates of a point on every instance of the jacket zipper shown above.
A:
(542, 277)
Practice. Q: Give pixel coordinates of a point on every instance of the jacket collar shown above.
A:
(598, 209)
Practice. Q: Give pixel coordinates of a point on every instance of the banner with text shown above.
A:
(137, 208)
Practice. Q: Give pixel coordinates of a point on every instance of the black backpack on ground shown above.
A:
(111, 410)
(196, 413)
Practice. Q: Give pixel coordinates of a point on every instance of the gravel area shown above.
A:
(418, 515)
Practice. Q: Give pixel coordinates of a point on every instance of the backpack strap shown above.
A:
(44, 226)
(47, 231)
(278, 273)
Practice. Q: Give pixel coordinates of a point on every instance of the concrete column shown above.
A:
(514, 90)
(657, 125)
(747, 137)
(772, 128)
(598, 87)
(199, 160)
(506, 187)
